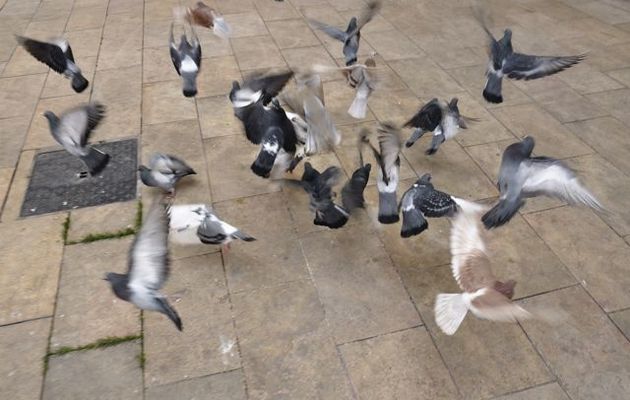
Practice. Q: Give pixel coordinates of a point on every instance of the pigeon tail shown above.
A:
(413, 223)
(358, 108)
(501, 213)
(79, 83)
(95, 160)
(170, 312)
(387, 208)
(243, 236)
(263, 164)
(221, 28)
(417, 134)
(333, 217)
(450, 311)
(492, 91)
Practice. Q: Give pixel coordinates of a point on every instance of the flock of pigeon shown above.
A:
(290, 125)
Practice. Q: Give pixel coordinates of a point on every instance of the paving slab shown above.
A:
(228, 385)
(23, 347)
(257, 52)
(19, 95)
(216, 117)
(615, 101)
(622, 320)
(207, 345)
(79, 322)
(399, 365)
(549, 391)
(586, 351)
(217, 75)
(165, 102)
(290, 33)
(12, 133)
(108, 218)
(113, 373)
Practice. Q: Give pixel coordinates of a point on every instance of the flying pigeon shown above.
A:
(164, 171)
(352, 192)
(352, 35)
(313, 124)
(522, 176)
(73, 128)
(207, 17)
(420, 201)
(267, 126)
(505, 62)
(196, 223)
(148, 267)
(319, 187)
(388, 159)
(186, 58)
(484, 295)
(439, 117)
(57, 54)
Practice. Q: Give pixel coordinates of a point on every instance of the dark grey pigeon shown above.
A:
(505, 62)
(164, 171)
(352, 192)
(72, 130)
(422, 201)
(57, 54)
(388, 159)
(148, 267)
(522, 176)
(268, 127)
(439, 117)
(319, 187)
(352, 35)
(186, 58)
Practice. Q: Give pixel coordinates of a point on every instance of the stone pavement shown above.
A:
(305, 312)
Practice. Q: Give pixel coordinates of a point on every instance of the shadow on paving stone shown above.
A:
(57, 181)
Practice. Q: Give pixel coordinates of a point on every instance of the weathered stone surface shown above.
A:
(108, 218)
(228, 385)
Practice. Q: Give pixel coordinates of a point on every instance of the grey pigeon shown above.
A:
(186, 58)
(319, 187)
(352, 35)
(196, 223)
(422, 201)
(57, 54)
(352, 192)
(439, 117)
(522, 176)
(267, 126)
(72, 130)
(148, 267)
(505, 62)
(388, 159)
(164, 171)
(483, 294)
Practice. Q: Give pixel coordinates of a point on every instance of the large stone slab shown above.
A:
(22, 347)
(18, 95)
(79, 321)
(285, 344)
(30, 253)
(12, 133)
(257, 52)
(113, 373)
(164, 102)
(622, 320)
(586, 351)
(399, 365)
(228, 385)
(207, 345)
(108, 218)
(550, 391)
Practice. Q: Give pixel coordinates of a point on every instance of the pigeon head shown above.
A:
(424, 179)
(235, 87)
(527, 145)
(53, 120)
(119, 284)
(352, 25)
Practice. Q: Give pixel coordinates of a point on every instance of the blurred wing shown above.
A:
(390, 143)
(428, 118)
(149, 263)
(331, 31)
(494, 306)
(523, 66)
(322, 134)
(78, 123)
(174, 51)
(369, 11)
(47, 53)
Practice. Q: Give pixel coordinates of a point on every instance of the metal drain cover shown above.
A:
(60, 181)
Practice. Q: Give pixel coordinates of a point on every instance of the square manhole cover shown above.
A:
(57, 182)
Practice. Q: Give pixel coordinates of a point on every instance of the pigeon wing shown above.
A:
(77, 124)
(437, 204)
(270, 84)
(174, 50)
(168, 164)
(322, 135)
(523, 66)
(428, 118)
(47, 53)
(390, 143)
(495, 306)
(148, 257)
(369, 11)
(331, 31)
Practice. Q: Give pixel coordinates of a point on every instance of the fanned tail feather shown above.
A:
(450, 311)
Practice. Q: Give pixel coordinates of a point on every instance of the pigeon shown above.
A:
(207, 17)
(505, 62)
(73, 128)
(352, 35)
(164, 171)
(439, 117)
(313, 124)
(420, 201)
(196, 223)
(352, 192)
(186, 58)
(484, 295)
(266, 126)
(148, 267)
(319, 187)
(388, 159)
(57, 54)
(522, 176)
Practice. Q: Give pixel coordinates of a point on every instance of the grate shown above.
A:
(60, 181)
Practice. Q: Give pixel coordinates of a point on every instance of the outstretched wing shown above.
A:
(47, 53)
(77, 124)
(428, 118)
(523, 66)
(148, 258)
